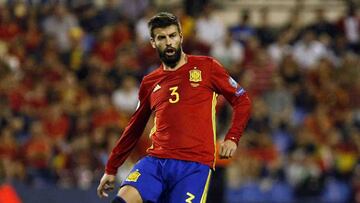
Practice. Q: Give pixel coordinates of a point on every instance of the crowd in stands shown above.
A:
(69, 77)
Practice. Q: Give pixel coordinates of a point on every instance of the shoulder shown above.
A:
(153, 75)
(199, 58)
(150, 79)
(206, 60)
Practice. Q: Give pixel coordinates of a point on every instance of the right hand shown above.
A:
(107, 183)
(227, 149)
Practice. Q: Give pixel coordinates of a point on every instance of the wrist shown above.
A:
(233, 139)
(110, 171)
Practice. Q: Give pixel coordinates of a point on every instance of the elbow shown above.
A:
(242, 103)
(248, 103)
(245, 100)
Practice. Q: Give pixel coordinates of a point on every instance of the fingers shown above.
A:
(100, 189)
(108, 187)
(221, 151)
(227, 150)
(104, 187)
(107, 183)
(226, 153)
(230, 153)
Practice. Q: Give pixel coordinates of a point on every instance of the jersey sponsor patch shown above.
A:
(239, 91)
(133, 176)
(232, 82)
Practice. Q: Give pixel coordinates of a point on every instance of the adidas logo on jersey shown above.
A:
(157, 87)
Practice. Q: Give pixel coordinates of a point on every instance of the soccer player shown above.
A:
(182, 93)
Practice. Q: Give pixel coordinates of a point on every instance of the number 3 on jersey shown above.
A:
(174, 95)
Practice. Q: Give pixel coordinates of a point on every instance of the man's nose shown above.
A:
(168, 41)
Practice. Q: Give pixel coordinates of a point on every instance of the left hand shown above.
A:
(227, 149)
(106, 184)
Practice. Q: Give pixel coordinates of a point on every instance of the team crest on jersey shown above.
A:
(133, 176)
(195, 75)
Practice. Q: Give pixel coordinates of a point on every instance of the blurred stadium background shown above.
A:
(70, 71)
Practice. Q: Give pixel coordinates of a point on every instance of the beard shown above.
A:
(170, 60)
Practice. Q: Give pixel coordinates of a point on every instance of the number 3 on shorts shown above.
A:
(190, 197)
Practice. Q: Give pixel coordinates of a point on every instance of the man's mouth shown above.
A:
(170, 51)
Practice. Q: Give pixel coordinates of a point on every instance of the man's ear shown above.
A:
(181, 37)
(152, 42)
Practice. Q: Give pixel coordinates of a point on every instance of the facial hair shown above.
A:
(170, 61)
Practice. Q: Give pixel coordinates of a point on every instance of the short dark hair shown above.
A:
(161, 20)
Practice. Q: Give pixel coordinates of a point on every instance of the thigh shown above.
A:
(192, 188)
(146, 179)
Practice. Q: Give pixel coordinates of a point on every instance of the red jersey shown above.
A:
(184, 103)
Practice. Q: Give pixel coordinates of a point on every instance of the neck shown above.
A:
(181, 62)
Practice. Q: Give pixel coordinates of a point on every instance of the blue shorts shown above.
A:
(169, 180)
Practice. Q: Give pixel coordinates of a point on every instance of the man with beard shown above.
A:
(182, 93)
